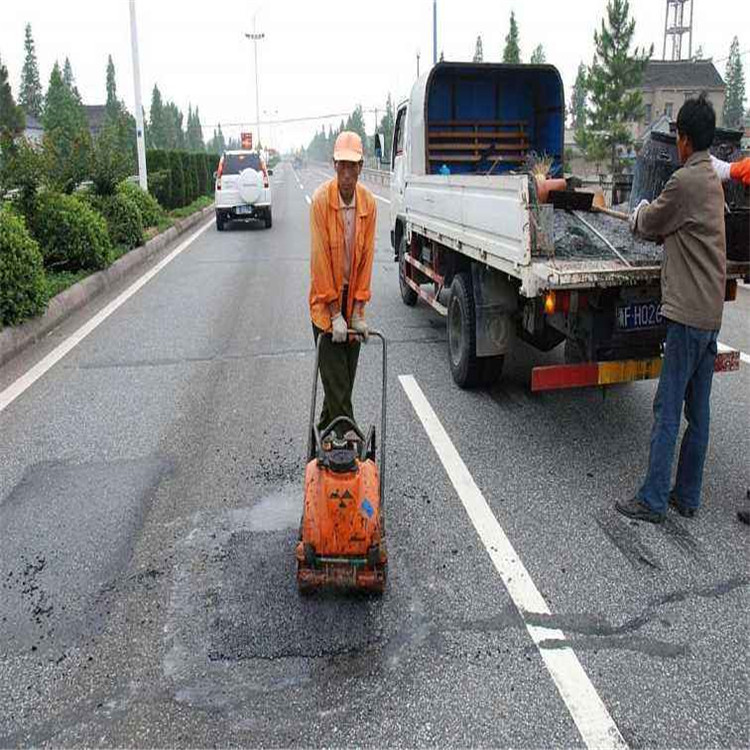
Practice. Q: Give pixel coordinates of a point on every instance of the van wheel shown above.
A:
(467, 369)
(269, 219)
(408, 295)
(219, 223)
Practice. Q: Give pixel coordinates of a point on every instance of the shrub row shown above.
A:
(177, 178)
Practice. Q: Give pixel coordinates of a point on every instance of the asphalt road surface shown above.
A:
(150, 493)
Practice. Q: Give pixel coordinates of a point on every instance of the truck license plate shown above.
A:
(244, 209)
(639, 315)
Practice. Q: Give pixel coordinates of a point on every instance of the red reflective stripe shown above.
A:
(564, 376)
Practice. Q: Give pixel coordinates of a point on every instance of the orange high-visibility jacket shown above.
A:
(327, 252)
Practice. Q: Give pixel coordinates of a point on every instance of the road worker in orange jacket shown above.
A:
(342, 236)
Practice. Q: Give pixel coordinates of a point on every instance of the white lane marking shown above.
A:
(380, 197)
(726, 348)
(586, 708)
(307, 198)
(15, 389)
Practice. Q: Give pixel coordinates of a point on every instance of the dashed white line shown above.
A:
(307, 198)
(586, 708)
(380, 197)
(15, 389)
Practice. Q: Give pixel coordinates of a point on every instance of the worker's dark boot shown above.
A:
(638, 511)
(683, 510)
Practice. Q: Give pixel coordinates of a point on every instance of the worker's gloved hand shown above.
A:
(740, 171)
(359, 324)
(338, 329)
(634, 216)
(722, 169)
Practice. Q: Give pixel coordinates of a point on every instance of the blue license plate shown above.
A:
(244, 209)
(639, 315)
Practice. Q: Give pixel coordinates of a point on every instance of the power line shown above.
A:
(288, 120)
(741, 54)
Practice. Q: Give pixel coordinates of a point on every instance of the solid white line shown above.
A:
(725, 347)
(587, 709)
(380, 197)
(307, 198)
(13, 391)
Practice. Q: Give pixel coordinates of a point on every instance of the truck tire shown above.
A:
(219, 222)
(466, 368)
(268, 219)
(408, 295)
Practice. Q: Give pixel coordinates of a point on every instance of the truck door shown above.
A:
(398, 166)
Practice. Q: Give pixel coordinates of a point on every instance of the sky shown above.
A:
(318, 57)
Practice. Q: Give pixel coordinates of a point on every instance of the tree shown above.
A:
(578, 99)
(113, 104)
(537, 56)
(478, 55)
(387, 123)
(614, 78)
(356, 122)
(157, 126)
(69, 79)
(734, 103)
(30, 95)
(217, 144)
(194, 134)
(512, 51)
(173, 134)
(67, 141)
(12, 120)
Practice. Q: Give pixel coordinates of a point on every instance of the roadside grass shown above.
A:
(59, 282)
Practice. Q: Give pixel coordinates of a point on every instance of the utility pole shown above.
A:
(434, 32)
(255, 38)
(140, 140)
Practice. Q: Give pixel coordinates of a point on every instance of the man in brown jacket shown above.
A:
(689, 216)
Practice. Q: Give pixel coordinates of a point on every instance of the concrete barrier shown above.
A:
(14, 339)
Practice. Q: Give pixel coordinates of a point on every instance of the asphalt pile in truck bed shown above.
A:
(574, 241)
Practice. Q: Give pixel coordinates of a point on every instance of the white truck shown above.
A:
(473, 241)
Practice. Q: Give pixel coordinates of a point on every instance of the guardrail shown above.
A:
(376, 176)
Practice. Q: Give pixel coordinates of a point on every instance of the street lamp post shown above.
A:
(140, 140)
(255, 38)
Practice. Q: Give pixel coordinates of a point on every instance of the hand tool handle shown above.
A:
(611, 212)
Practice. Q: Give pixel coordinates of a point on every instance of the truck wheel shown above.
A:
(408, 295)
(466, 367)
(219, 222)
(269, 219)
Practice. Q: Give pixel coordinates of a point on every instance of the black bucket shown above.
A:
(737, 225)
(654, 166)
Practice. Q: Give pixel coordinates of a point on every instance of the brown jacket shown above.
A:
(328, 249)
(689, 215)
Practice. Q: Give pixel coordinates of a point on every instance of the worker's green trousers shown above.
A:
(338, 368)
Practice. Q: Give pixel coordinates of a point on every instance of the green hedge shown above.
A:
(199, 161)
(72, 235)
(179, 194)
(123, 217)
(151, 212)
(23, 289)
(159, 176)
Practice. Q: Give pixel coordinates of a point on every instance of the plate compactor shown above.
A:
(342, 534)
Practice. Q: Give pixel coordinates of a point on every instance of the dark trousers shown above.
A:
(686, 376)
(338, 368)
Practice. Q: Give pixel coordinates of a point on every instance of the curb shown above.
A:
(13, 340)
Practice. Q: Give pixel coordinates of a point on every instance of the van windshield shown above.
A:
(235, 163)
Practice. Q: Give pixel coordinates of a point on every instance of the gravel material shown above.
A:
(575, 241)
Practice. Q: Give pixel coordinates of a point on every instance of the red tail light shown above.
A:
(218, 173)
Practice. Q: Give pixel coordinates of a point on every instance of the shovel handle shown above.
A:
(611, 212)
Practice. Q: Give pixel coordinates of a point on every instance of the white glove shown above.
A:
(339, 328)
(722, 169)
(634, 216)
(359, 324)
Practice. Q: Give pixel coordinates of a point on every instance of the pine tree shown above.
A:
(67, 141)
(69, 79)
(113, 104)
(194, 134)
(30, 95)
(578, 107)
(537, 56)
(356, 122)
(613, 81)
(734, 103)
(512, 51)
(12, 120)
(156, 123)
(478, 54)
